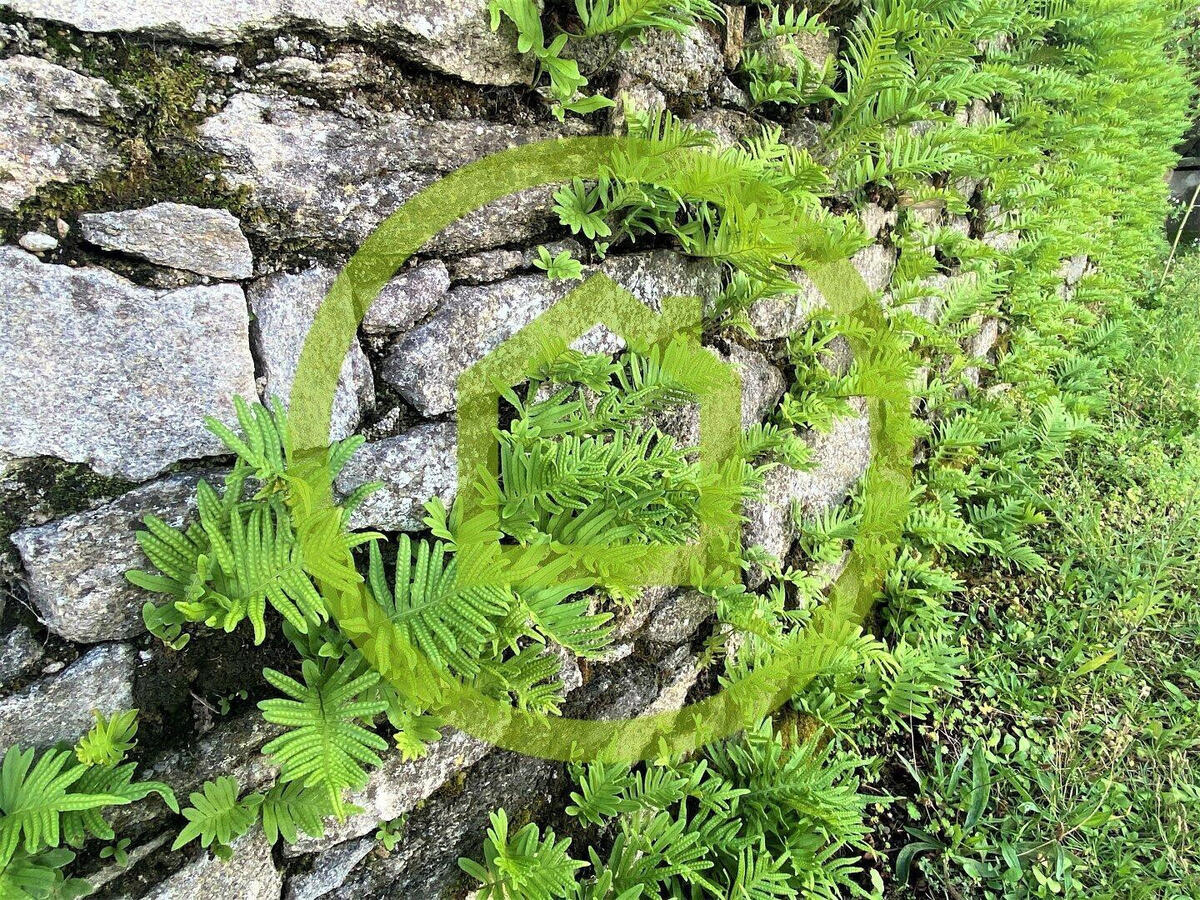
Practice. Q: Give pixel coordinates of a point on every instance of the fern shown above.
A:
(107, 742)
(626, 18)
(245, 555)
(328, 741)
(34, 796)
(526, 866)
(288, 809)
(35, 877)
(217, 817)
(117, 780)
(448, 622)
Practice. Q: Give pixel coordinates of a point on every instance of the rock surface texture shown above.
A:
(76, 565)
(96, 369)
(326, 176)
(51, 120)
(414, 467)
(284, 307)
(424, 365)
(249, 875)
(451, 37)
(205, 241)
(59, 707)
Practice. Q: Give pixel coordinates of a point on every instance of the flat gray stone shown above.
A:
(875, 264)
(408, 298)
(319, 175)
(1072, 270)
(815, 48)
(330, 870)
(679, 617)
(37, 242)
(455, 38)
(984, 340)
(75, 567)
(762, 383)
(842, 456)
(728, 126)
(425, 364)
(630, 93)
(875, 219)
(284, 307)
(205, 241)
(1003, 241)
(51, 121)
(249, 875)
(778, 316)
(762, 387)
(681, 670)
(414, 466)
(20, 654)
(492, 265)
(98, 370)
(59, 707)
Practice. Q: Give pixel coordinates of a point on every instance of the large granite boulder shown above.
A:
(455, 38)
(319, 175)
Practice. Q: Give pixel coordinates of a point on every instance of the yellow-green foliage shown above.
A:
(1032, 685)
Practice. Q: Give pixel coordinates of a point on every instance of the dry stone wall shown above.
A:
(179, 184)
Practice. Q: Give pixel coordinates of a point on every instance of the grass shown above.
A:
(1082, 683)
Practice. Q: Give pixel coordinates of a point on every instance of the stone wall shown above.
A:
(179, 184)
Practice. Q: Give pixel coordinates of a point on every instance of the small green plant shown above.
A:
(117, 852)
(755, 817)
(389, 834)
(59, 797)
(109, 739)
(559, 267)
(326, 744)
(218, 817)
(776, 65)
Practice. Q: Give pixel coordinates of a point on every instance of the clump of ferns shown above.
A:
(753, 208)
(614, 23)
(247, 555)
(586, 461)
(60, 797)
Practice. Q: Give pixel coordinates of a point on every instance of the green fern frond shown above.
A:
(525, 866)
(107, 742)
(35, 796)
(625, 18)
(291, 808)
(217, 817)
(328, 741)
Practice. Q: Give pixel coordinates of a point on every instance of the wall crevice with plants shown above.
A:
(180, 185)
